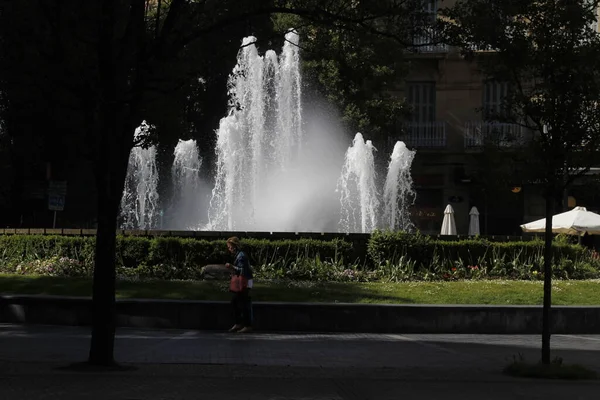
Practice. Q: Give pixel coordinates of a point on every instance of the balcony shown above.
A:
(426, 44)
(479, 134)
(424, 135)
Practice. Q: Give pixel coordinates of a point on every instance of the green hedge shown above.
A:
(183, 257)
(521, 260)
(23, 248)
(391, 256)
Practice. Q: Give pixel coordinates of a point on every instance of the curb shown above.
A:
(306, 317)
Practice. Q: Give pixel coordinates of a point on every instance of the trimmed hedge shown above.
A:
(19, 248)
(391, 256)
(498, 259)
(132, 252)
(424, 250)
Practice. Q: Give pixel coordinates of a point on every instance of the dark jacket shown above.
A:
(241, 265)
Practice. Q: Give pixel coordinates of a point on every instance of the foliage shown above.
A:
(28, 248)
(355, 72)
(392, 257)
(172, 258)
(420, 257)
(54, 266)
(391, 246)
(547, 52)
(111, 64)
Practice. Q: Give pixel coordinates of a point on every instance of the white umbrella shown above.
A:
(448, 224)
(578, 221)
(473, 221)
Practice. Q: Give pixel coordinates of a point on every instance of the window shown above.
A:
(421, 97)
(494, 94)
(424, 35)
(431, 7)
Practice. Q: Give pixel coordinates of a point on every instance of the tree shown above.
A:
(354, 72)
(549, 53)
(111, 63)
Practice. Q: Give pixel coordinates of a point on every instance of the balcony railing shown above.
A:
(428, 135)
(427, 44)
(479, 134)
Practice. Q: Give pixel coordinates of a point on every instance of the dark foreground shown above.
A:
(198, 365)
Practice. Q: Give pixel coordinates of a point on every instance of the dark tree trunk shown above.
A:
(103, 296)
(110, 179)
(546, 321)
(113, 144)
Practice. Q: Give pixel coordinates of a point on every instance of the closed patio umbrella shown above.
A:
(473, 221)
(448, 224)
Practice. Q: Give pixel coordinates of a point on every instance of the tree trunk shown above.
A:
(103, 295)
(110, 171)
(546, 321)
(112, 152)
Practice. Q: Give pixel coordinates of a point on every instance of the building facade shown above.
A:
(450, 97)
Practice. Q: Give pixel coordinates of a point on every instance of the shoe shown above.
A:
(235, 328)
(245, 329)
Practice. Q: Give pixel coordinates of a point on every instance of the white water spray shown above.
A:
(259, 138)
(274, 171)
(398, 194)
(140, 197)
(359, 199)
(186, 183)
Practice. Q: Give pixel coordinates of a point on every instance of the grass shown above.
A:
(499, 292)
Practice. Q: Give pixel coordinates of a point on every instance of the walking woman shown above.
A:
(240, 286)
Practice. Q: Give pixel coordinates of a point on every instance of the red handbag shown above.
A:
(238, 283)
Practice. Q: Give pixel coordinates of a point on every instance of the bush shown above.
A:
(421, 257)
(393, 246)
(54, 266)
(392, 257)
(17, 249)
(170, 257)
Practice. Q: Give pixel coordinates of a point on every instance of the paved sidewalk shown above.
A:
(40, 343)
(190, 364)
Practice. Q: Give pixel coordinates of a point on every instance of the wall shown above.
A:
(307, 317)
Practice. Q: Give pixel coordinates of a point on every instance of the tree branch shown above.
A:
(318, 16)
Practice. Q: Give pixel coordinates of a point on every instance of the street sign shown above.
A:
(57, 191)
(56, 202)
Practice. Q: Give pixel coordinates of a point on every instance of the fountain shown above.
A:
(259, 141)
(359, 199)
(281, 165)
(140, 196)
(186, 184)
(398, 194)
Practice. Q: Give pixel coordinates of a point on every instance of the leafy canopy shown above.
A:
(549, 53)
